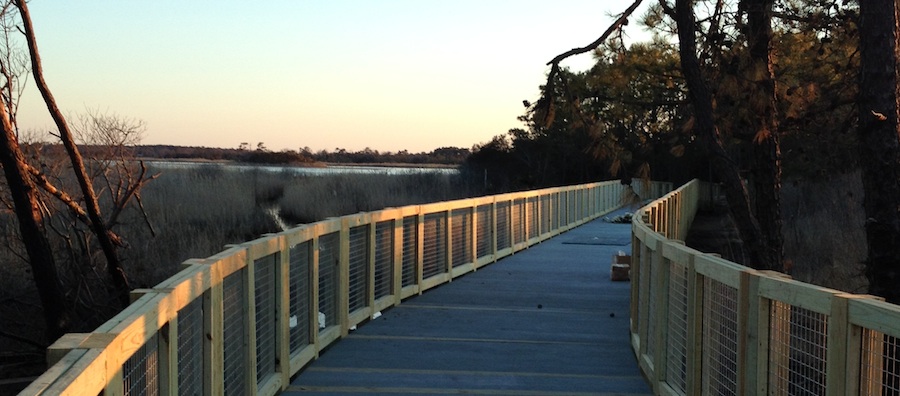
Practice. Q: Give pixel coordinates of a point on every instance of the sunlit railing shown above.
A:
(243, 321)
(704, 325)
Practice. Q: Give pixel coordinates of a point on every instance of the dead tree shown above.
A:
(92, 207)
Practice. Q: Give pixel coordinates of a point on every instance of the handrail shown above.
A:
(704, 325)
(245, 320)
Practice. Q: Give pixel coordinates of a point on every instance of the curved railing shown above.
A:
(245, 320)
(704, 325)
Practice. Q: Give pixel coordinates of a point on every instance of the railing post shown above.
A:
(249, 300)
(473, 231)
(510, 230)
(343, 300)
(749, 332)
(283, 313)
(168, 358)
(398, 259)
(315, 308)
(370, 263)
(753, 321)
(448, 244)
(213, 352)
(836, 383)
(494, 228)
(420, 244)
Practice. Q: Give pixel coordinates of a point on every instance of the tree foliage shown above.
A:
(620, 119)
(781, 100)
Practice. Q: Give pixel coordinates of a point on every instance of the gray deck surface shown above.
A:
(544, 321)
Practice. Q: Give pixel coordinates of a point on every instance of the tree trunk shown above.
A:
(28, 213)
(705, 128)
(879, 144)
(766, 151)
(92, 206)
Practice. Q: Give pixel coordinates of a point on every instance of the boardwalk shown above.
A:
(545, 321)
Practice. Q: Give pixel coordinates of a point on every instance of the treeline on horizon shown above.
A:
(262, 155)
(512, 162)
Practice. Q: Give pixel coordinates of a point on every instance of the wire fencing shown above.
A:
(704, 325)
(245, 320)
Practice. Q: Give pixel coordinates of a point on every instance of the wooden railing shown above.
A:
(704, 325)
(245, 320)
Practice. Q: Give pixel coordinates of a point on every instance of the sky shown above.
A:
(387, 75)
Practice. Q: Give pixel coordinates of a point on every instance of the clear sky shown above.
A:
(388, 75)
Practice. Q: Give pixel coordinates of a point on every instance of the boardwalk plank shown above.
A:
(545, 321)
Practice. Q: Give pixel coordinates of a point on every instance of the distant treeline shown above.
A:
(512, 162)
(444, 155)
(440, 156)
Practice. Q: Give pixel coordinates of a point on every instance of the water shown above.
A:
(308, 171)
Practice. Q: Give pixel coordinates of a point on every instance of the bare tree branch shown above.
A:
(546, 102)
(114, 264)
(130, 192)
(619, 22)
(61, 195)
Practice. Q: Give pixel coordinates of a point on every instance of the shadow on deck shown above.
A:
(545, 321)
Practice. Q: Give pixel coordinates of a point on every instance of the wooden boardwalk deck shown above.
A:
(545, 321)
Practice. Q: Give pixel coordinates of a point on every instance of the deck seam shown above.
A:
(441, 391)
(474, 340)
(495, 309)
(465, 372)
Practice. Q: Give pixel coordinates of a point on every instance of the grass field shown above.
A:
(191, 213)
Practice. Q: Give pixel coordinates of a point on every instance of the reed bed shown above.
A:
(195, 212)
(191, 212)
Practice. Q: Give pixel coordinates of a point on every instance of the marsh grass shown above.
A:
(193, 213)
(196, 212)
(823, 230)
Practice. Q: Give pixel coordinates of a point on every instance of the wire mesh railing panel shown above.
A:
(485, 232)
(384, 258)
(797, 348)
(329, 278)
(571, 210)
(517, 223)
(410, 250)
(643, 294)
(299, 295)
(532, 217)
(359, 268)
(579, 204)
(140, 373)
(676, 345)
(563, 209)
(652, 273)
(556, 202)
(233, 342)
(265, 302)
(879, 370)
(434, 245)
(720, 346)
(190, 348)
(461, 236)
(503, 225)
(546, 216)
